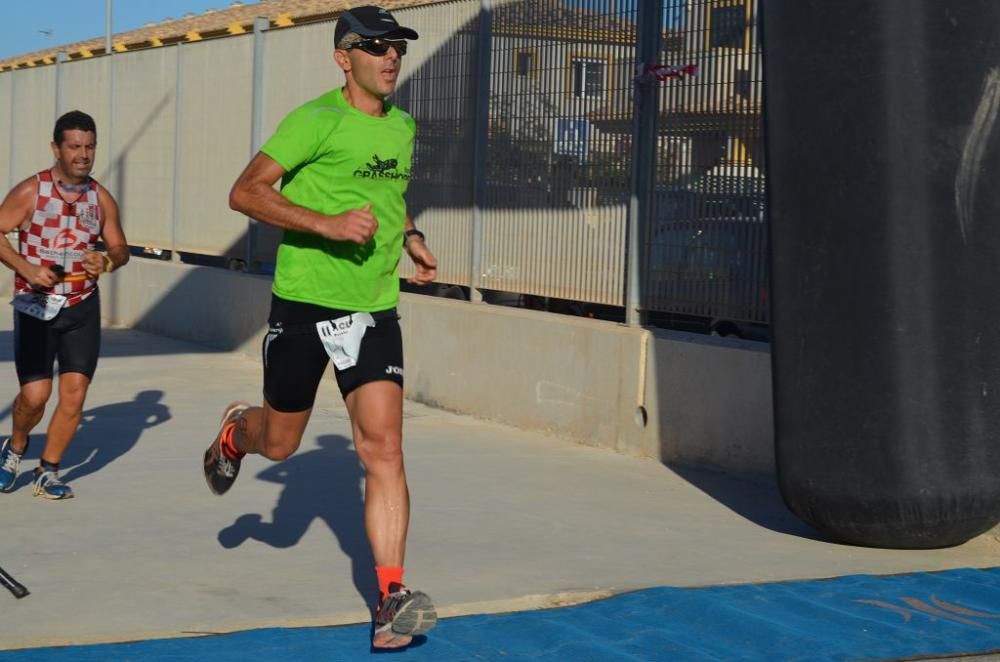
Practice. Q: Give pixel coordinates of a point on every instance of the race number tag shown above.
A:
(342, 338)
(38, 305)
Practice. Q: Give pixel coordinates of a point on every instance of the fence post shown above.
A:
(482, 73)
(260, 26)
(11, 126)
(108, 49)
(115, 169)
(61, 57)
(116, 175)
(644, 139)
(175, 196)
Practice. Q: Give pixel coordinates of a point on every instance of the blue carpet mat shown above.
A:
(848, 618)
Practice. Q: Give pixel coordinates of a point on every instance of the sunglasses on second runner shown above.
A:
(379, 47)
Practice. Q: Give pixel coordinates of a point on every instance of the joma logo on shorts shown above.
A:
(394, 370)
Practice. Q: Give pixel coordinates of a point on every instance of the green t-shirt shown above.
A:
(338, 158)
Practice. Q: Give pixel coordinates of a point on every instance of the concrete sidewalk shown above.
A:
(502, 519)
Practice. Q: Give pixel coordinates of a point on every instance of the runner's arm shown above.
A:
(253, 194)
(14, 212)
(423, 259)
(112, 235)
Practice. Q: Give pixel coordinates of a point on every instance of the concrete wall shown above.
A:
(707, 400)
(225, 310)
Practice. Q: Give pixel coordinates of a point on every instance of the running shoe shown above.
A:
(9, 462)
(220, 469)
(401, 615)
(48, 485)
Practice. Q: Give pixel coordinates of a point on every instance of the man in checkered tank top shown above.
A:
(60, 215)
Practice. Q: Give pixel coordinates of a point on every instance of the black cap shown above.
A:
(370, 21)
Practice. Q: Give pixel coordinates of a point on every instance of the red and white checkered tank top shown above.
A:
(60, 233)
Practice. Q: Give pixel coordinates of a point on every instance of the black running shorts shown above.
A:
(295, 359)
(73, 337)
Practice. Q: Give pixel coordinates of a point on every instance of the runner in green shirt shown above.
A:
(344, 164)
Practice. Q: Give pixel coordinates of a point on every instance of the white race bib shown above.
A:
(38, 305)
(342, 338)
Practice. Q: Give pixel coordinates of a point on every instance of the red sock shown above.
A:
(388, 575)
(228, 447)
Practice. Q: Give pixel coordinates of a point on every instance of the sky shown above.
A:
(33, 25)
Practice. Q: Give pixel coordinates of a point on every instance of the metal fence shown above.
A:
(707, 240)
(525, 176)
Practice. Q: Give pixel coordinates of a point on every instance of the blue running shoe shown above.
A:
(48, 485)
(9, 462)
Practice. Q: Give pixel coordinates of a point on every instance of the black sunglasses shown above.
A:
(379, 47)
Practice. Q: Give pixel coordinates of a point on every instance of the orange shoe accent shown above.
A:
(228, 447)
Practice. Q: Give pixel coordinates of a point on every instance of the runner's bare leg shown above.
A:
(376, 411)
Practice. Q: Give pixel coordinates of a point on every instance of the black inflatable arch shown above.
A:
(882, 126)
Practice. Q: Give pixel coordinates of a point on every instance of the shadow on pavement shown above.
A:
(756, 499)
(109, 431)
(105, 434)
(325, 483)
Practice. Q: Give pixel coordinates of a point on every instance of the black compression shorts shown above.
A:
(73, 337)
(295, 360)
